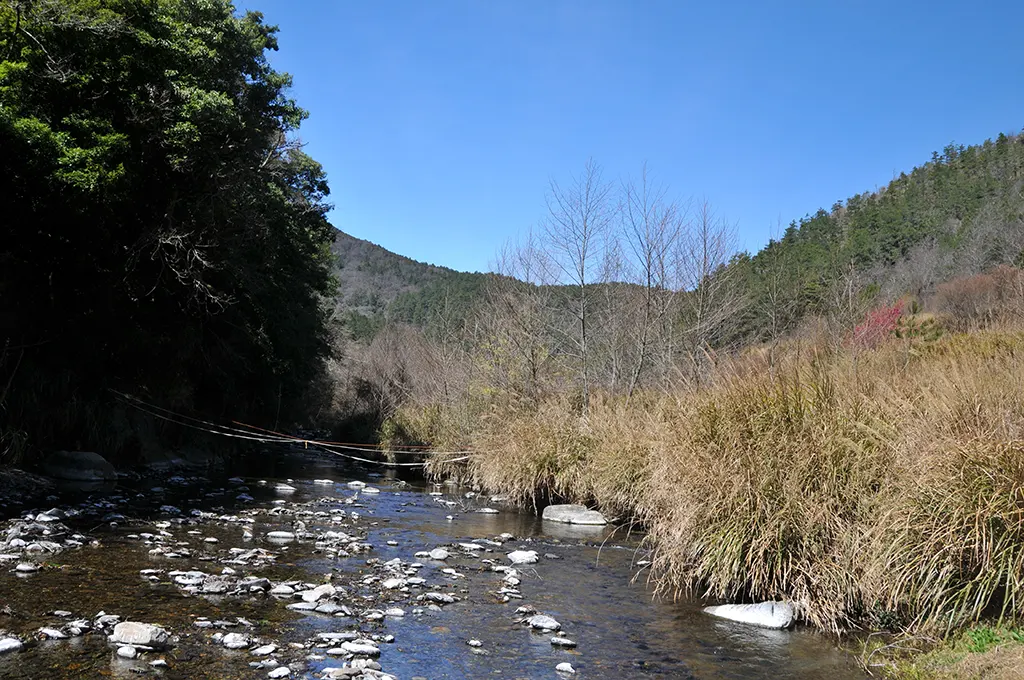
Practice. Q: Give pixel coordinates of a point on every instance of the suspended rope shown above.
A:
(257, 434)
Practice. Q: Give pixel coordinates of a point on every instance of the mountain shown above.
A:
(959, 214)
(375, 285)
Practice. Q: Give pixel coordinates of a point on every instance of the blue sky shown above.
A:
(441, 122)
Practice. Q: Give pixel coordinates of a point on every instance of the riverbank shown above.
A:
(876, 489)
(372, 576)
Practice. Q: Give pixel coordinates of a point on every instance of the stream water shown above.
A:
(585, 580)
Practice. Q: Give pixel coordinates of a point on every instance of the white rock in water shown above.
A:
(235, 641)
(264, 650)
(565, 667)
(563, 642)
(52, 633)
(126, 652)
(523, 556)
(371, 489)
(439, 554)
(356, 485)
(317, 593)
(324, 481)
(9, 645)
(443, 598)
(284, 488)
(543, 622)
(764, 614)
(280, 672)
(392, 583)
(280, 535)
(488, 511)
(361, 648)
(472, 547)
(573, 514)
(26, 568)
(145, 634)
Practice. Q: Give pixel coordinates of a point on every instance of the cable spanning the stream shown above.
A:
(259, 434)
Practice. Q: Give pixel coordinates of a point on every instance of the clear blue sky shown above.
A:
(440, 122)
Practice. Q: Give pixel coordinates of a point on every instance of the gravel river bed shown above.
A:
(302, 568)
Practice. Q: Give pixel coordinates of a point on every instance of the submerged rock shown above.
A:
(764, 614)
(574, 514)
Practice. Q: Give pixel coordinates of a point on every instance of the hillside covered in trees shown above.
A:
(164, 234)
(956, 215)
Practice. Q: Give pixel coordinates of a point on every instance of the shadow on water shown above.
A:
(589, 588)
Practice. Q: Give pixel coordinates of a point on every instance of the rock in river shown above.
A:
(82, 466)
(317, 593)
(523, 556)
(543, 622)
(9, 644)
(133, 633)
(574, 514)
(764, 614)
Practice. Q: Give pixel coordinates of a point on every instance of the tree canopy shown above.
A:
(164, 233)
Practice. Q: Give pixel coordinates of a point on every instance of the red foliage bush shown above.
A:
(878, 325)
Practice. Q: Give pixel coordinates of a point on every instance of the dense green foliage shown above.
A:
(163, 234)
(957, 215)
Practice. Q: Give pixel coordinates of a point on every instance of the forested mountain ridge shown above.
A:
(956, 215)
(376, 285)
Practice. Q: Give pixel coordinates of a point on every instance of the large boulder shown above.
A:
(764, 614)
(79, 466)
(144, 634)
(574, 514)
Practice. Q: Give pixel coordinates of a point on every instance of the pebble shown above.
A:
(439, 554)
(126, 652)
(565, 667)
(563, 642)
(280, 672)
(265, 650)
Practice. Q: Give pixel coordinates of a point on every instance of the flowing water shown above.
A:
(621, 631)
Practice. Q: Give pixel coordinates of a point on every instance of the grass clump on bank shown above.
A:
(979, 652)
(882, 488)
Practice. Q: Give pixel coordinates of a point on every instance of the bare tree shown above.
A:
(652, 227)
(576, 225)
(712, 296)
(518, 315)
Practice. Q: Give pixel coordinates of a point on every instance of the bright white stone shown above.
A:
(764, 614)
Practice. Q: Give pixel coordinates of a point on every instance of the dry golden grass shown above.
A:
(889, 483)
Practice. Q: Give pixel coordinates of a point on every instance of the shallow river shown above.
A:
(621, 631)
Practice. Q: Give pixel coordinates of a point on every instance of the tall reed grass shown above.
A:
(886, 485)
